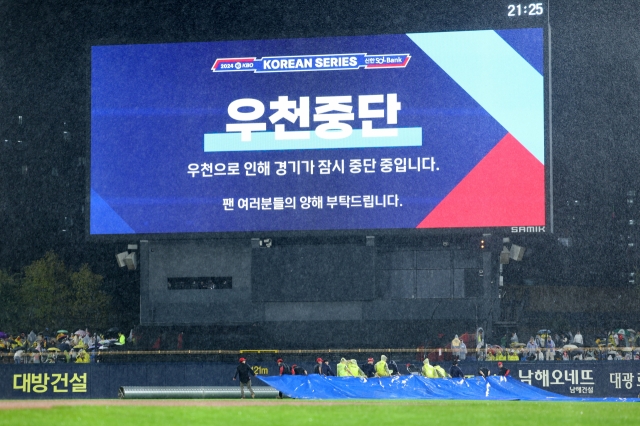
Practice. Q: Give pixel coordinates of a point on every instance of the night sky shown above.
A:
(44, 79)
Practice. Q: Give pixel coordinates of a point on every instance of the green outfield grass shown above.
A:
(369, 413)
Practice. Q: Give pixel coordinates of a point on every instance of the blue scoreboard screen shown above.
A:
(405, 131)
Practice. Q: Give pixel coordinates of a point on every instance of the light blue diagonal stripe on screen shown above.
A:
(496, 76)
(104, 220)
(265, 141)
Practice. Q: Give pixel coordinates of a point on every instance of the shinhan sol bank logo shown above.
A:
(346, 61)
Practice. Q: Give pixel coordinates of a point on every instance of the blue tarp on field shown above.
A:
(416, 387)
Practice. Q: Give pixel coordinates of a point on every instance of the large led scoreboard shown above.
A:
(419, 130)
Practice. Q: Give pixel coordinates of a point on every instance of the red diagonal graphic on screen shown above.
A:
(506, 188)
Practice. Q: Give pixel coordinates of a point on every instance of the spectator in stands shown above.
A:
(479, 339)
(83, 357)
(539, 341)
(503, 340)
(17, 356)
(463, 351)
(512, 355)
(550, 349)
(18, 342)
(480, 354)
(577, 339)
(514, 338)
(455, 347)
(563, 340)
(532, 348)
(612, 339)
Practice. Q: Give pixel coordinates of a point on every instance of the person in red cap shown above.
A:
(369, 369)
(317, 369)
(244, 373)
(298, 371)
(283, 369)
(502, 370)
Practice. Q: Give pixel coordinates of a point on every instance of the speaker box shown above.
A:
(120, 258)
(516, 252)
(371, 241)
(131, 261)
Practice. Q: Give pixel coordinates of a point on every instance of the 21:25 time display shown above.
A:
(532, 9)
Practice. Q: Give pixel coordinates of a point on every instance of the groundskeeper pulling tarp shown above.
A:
(416, 387)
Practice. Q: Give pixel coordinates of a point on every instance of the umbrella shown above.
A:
(62, 332)
(113, 330)
(104, 342)
(80, 333)
(3, 335)
(569, 347)
(53, 350)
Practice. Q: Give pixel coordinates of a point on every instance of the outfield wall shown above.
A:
(98, 381)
